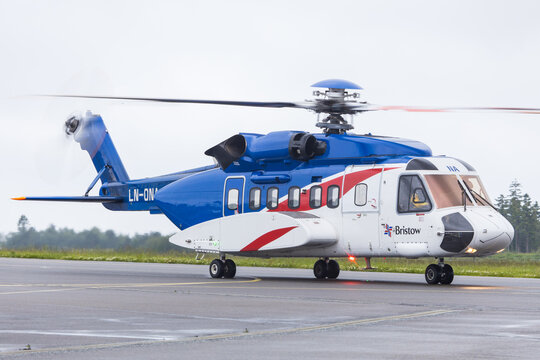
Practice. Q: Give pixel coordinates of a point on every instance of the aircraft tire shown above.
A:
(447, 275)
(230, 269)
(433, 274)
(320, 269)
(217, 268)
(333, 269)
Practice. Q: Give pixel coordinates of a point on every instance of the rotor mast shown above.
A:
(335, 102)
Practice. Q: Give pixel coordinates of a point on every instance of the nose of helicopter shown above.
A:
(476, 232)
(493, 231)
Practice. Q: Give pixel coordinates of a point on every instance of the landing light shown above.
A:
(470, 250)
(352, 258)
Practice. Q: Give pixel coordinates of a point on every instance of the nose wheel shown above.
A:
(222, 268)
(440, 273)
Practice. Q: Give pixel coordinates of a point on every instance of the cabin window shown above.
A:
(412, 195)
(294, 197)
(447, 191)
(360, 194)
(255, 198)
(272, 198)
(315, 197)
(332, 196)
(232, 199)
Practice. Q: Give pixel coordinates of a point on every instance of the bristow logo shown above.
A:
(399, 230)
(402, 230)
(387, 230)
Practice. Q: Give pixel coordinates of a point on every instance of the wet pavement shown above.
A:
(52, 309)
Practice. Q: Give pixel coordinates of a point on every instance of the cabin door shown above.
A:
(361, 187)
(233, 196)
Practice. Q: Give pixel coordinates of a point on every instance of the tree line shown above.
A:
(518, 208)
(524, 215)
(26, 237)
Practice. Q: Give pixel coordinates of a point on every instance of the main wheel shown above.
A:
(447, 274)
(433, 274)
(333, 269)
(230, 269)
(217, 268)
(320, 269)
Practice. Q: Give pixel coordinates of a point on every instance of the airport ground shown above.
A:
(54, 309)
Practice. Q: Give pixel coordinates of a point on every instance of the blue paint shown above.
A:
(190, 197)
(337, 84)
(95, 139)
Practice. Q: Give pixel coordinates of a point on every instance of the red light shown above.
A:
(352, 258)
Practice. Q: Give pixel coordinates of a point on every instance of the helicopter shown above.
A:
(333, 194)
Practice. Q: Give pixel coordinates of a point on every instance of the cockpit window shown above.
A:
(447, 191)
(412, 196)
(477, 190)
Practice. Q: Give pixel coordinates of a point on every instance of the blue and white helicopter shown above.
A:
(296, 194)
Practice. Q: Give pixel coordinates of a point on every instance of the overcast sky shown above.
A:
(441, 53)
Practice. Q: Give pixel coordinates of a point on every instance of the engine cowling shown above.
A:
(274, 146)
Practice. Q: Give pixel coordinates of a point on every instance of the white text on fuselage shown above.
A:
(146, 194)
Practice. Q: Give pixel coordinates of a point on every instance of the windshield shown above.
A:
(476, 188)
(447, 191)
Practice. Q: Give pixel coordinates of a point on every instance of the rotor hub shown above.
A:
(336, 101)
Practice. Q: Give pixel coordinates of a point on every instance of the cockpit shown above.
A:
(457, 190)
(445, 190)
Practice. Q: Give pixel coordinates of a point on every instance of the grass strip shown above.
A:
(504, 265)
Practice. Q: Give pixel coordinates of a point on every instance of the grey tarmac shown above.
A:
(115, 310)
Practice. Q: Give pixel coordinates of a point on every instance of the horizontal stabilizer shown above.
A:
(88, 199)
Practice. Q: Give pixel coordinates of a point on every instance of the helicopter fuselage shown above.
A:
(359, 196)
(295, 194)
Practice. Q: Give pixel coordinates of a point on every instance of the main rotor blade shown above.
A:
(190, 101)
(324, 106)
(454, 109)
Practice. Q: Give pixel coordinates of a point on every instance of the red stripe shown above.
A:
(351, 180)
(267, 238)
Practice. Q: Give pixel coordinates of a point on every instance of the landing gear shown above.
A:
(222, 268)
(439, 273)
(433, 274)
(217, 268)
(447, 275)
(320, 269)
(326, 269)
(230, 269)
(333, 269)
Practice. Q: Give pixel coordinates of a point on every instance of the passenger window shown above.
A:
(294, 197)
(232, 199)
(315, 197)
(255, 198)
(412, 195)
(272, 198)
(332, 197)
(360, 195)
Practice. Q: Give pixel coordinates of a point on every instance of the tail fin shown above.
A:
(90, 132)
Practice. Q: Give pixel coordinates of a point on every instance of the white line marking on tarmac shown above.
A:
(66, 287)
(240, 335)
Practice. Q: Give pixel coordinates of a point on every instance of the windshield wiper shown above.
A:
(463, 196)
(481, 198)
(475, 195)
